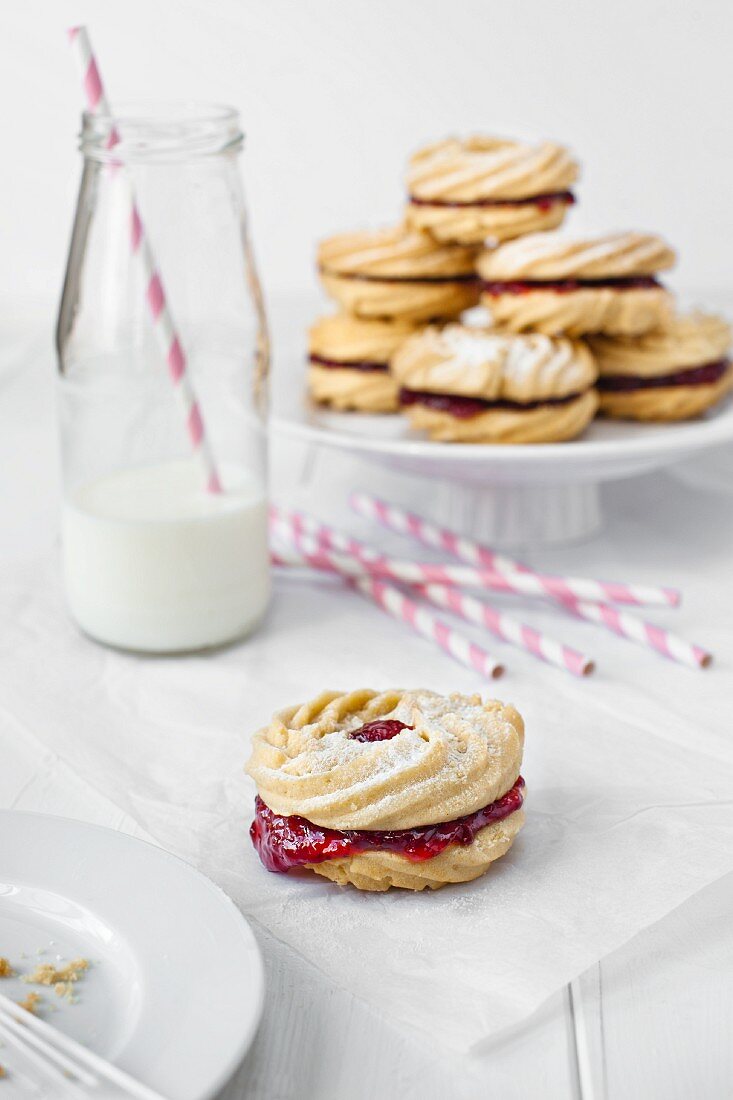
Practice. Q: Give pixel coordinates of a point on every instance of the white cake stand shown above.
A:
(504, 494)
(507, 495)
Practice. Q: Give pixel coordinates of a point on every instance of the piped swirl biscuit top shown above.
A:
(492, 366)
(350, 339)
(480, 168)
(462, 754)
(691, 340)
(556, 256)
(398, 253)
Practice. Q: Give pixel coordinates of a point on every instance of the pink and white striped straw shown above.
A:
(395, 603)
(155, 295)
(464, 576)
(423, 622)
(449, 598)
(623, 623)
(507, 628)
(637, 630)
(481, 557)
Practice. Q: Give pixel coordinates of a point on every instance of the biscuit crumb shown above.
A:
(6, 970)
(65, 990)
(3, 1071)
(48, 974)
(31, 1003)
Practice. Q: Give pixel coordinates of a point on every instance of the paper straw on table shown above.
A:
(463, 576)
(647, 634)
(401, 607)
(155, 295)
(402, 522)
(622, 623)
(509, 629)
(449, 598)
(423, 622)
(473, 553)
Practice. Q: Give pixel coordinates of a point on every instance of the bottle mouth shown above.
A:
(160, 132)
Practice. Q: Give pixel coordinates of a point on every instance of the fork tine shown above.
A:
(18, 1027)
(46, 1068)
(78, 1054)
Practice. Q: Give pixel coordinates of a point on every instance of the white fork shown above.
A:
(62, 1061)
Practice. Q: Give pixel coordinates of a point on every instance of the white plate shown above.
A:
(608, 450)
(175, 990)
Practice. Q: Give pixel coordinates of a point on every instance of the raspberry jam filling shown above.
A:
(429, 280)
(544, 202)
(565, 286)
(286, 842)
(465, 407)
(382, 730)
(351, 364)
(705, 375)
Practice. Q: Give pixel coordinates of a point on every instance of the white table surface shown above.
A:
(656, 1014)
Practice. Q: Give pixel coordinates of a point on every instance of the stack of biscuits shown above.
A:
(388, 284)
(575, 325)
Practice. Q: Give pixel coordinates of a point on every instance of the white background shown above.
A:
(335, 93)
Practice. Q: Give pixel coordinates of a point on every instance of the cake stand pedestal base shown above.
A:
(515, 515)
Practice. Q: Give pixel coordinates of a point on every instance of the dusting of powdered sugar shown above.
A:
(471, 347)
(521, 358)
(448, 722)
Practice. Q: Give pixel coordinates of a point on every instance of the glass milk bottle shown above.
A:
(163, 362)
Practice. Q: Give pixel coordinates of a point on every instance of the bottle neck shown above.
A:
(163, 133)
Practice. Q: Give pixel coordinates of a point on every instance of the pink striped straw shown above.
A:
(481, 557)
(508, 629)
(155, 294)
(637, 630)
(603, 614)
(423, 622)
(449, 598)
(411, 572)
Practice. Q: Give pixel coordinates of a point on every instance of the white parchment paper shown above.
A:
(628, 792)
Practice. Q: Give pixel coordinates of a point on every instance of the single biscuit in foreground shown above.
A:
(393, 788)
